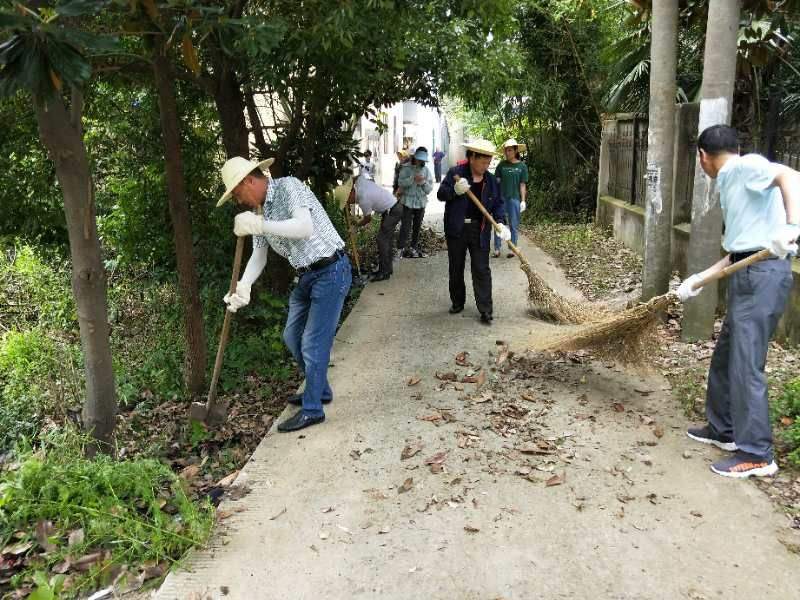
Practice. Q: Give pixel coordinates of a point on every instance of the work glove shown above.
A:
(461, 187)
(522, 206)
(685, 290)
(239, 298)
(247, 223)
(785, 242)
(503, 232)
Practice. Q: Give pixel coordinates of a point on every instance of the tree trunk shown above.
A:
(61, 133)
(660, 141)
(195, 364)
(231, 106)
(719, 76)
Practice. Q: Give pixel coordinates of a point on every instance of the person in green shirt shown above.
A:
(513, 176)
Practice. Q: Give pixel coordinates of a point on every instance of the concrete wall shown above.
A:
(627, 223)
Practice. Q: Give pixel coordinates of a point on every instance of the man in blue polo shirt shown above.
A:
(760, 203)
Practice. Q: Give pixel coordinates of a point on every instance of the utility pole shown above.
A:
(660, 143)
(719, 76)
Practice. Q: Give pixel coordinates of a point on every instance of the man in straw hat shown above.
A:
(372, 198)
(513, 176)
(295, 225)
(466, 229)
(760, 203)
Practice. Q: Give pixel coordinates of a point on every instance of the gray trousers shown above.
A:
(385, 237)
(736, 401)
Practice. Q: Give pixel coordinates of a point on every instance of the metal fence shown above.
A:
(627, 145)
(626, 138)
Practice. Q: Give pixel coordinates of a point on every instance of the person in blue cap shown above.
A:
(415, 183)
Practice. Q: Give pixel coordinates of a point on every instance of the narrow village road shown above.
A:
(553, 479)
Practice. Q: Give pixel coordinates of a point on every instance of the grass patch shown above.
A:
(786, 416)
(92, 520)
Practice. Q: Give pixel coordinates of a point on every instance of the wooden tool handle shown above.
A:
(491, 220)
(730, 270)
(351, 235)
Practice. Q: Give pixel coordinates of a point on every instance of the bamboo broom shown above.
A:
(629, 337)
(544, 302)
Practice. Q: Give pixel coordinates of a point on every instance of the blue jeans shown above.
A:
(512, 216)
(314, 309)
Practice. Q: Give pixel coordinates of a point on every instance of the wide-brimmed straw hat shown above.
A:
(237, 168)
(342, 192)
(484, 147)
(512, 142)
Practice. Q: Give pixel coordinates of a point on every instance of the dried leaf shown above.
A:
(18, 548)
(450, 376)
(432, 418)
(528, 396)
(787, 421)
(384, 529)
(228, 479)
(471, 529)
(658, 431)
(407, 485)
(437, 458)
(556, 480)
(45, 529)
(85, 562)
(481, 378)
(618, 407)
(502, 356)
(190, 473)
(485, 397)
(75, 537)
(190, 54)
(411, 450)
(414, 380)
(461, 359)
(283, 512)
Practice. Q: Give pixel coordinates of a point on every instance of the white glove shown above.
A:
(461, 186)
(247, 223)
(504, 233)
(785, 242)
(522, 206)
(685, 290)
(239, 298)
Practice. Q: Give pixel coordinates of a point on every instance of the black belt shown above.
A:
(322, 262)
(737, 256)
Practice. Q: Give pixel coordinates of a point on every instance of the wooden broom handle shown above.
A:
(491, 220)
(731, 269)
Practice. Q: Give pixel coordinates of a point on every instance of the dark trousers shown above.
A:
(437, 171)
(736, 401)
(389, 222)
(457, 247)
(412, 223)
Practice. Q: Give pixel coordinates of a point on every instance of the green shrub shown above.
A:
(786, 413)
(38, 376)
(135, 510)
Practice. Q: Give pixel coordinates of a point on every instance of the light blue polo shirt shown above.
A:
(751, 206)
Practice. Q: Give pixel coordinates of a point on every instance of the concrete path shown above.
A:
(636, 512)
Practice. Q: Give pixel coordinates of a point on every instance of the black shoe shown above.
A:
(299, 421)
(454, 310)
(297, 400)
(486, 318)
(381, 277)
(705, 435)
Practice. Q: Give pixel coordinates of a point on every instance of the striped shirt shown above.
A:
(284, 196)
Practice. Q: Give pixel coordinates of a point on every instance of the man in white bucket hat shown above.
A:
(295, 225)
(466, 229)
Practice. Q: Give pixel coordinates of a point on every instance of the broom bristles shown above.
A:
(547, 305)
(627, 337)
